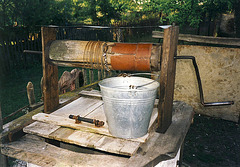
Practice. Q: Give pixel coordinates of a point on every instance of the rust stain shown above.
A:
(124, 48)
(123, 62)
(131, 57)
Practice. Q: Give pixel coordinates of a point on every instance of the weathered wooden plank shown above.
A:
(104, 143)
(158, 148)
(18, 124)
(41, 129)
(50, 72)
(165, 146)
(202, 39)
(167, 78)
(85, 139)
(70, 123)
(115, 146)
(81, 106)
(60, 134)
(82, 138)
(97, 114)
(36, 151)
(85, 127)
(92, 93)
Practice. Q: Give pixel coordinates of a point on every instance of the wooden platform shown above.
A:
(58, 126)
(148, 150)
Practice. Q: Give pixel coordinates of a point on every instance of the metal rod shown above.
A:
(200, 84)
(92, 121)
(32, 52)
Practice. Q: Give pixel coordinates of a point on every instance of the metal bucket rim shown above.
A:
(127, 90)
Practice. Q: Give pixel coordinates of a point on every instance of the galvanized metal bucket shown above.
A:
(128, 104)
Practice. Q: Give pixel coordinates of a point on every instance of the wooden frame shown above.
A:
(202, 39)
(158, 148)
(167, 78)
(50, 72)
(167, 75)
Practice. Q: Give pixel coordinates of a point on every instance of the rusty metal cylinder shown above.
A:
(103, 55)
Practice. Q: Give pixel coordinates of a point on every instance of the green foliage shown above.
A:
(180, 12)
(30, 13)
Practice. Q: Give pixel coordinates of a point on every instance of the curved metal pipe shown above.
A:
(209, 104)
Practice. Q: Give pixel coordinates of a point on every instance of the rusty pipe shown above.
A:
(78, 119)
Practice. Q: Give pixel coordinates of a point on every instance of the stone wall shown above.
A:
(219, 69)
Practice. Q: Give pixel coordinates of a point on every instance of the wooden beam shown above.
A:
(50, 72)
(34, 150)
(202, 39)
(167, 78)
(15, 126)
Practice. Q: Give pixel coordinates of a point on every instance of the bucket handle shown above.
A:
(134, 74)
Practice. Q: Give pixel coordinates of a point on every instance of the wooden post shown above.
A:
(167, 78)
(50, 72)
(3, 158)
(30, 94)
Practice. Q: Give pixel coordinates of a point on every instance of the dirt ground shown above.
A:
(212, 142)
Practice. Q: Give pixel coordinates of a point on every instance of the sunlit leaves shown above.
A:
(30, 13)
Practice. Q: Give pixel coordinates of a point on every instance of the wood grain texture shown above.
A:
(167, 78)
(202, 39)
(92, 93)
(83, 138)
(59, 127)
(18, 124)
(85, 107)
(85, 127)
(34, 150)
(81, 106)
(159, 147)
(41, 129)
(50, 72)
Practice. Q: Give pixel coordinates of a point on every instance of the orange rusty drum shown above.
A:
(131, 57)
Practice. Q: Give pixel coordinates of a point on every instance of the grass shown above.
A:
(13, 92)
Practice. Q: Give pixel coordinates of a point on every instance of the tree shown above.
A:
(32, 13)
(6, 12)
(180, 12)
